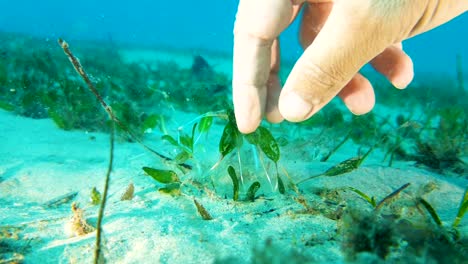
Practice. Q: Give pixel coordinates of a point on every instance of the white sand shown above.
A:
(39, 162)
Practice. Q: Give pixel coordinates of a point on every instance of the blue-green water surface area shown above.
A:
(185, 186)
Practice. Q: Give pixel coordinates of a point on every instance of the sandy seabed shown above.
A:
(39, 162)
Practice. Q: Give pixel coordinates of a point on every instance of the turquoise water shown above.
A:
(193, 25)
(186, 187)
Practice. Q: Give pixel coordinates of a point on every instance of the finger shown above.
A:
(274, 83)
(358, 95)
(258, 23)
(273, 114)
(340, 49)
(395, 65)
(313, 18)
(274, 86)
(250, 72)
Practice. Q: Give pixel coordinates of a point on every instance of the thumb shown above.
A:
(353, 34)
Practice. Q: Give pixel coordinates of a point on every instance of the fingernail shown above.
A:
(294, 108)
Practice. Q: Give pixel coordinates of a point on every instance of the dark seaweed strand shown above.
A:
(82, 73)
(97, 248)
(202, 211)
(336, 147)
(431, 211)
(391, 196)
(77, 65)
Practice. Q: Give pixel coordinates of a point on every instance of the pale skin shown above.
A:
(339, 37)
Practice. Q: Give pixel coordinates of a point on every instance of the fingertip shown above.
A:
(395, 65)
(274, 116)
(404, 77)
(294, 108)
(247, 126)
(247, 118)
(249, 102)
(358, 95)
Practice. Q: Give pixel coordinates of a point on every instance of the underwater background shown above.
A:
(146, 101)
(194, 25)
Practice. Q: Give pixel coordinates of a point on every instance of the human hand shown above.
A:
(338, 41)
